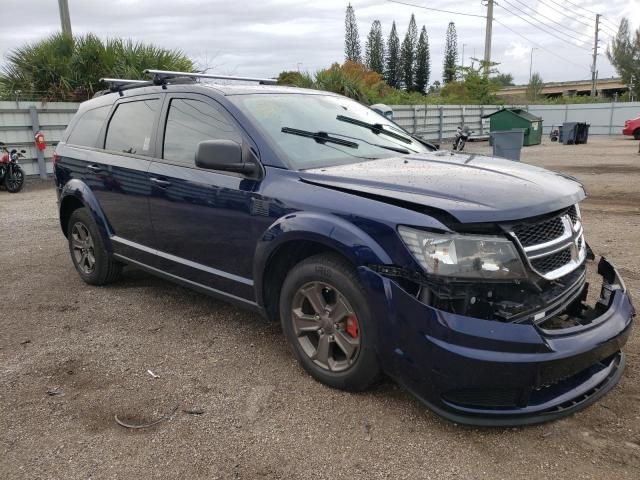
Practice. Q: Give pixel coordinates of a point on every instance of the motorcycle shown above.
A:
(462, 135)
(11, 173)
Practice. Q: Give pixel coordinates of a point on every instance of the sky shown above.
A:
(265, 37)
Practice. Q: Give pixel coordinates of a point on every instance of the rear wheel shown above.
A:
(325, 317)
(93, 262)
(636, 134)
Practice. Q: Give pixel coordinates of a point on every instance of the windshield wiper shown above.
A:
(376, 128)
(320, 137)
(393, 149)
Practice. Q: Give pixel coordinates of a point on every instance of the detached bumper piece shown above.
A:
(488, 372)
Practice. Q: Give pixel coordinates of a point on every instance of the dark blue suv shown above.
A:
(462, 277)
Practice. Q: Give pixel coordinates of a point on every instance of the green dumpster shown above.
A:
(517, 118)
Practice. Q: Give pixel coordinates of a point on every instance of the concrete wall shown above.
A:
(604, 118)
(16, 128)
(439, 122)
(433, 122)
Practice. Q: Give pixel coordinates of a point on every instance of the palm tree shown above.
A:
(65, 68)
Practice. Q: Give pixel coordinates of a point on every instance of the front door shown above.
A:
(201, 218)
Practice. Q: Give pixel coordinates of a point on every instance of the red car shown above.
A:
(632, 127)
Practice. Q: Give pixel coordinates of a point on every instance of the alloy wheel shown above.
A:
(83, 248)
(326, 326)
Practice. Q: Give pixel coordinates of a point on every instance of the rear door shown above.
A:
(120, 180)
(202, 218)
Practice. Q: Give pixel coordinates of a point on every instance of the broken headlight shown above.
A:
(465, 256)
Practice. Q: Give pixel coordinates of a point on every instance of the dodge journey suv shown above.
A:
(462, 277)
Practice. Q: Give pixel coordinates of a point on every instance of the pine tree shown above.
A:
(423, 62)
(450, 54)
(375, 48)
(408, 55)
(352, 49)
(392, 68)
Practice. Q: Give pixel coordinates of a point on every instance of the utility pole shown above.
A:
(487, 37)
(463, 45)
(531, 64)
(594, 72)
(65, 19)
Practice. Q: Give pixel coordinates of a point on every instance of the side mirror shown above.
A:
(225, 155)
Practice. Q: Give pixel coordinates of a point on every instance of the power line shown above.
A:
(561, 12)
(587, 10)
(437, 9)
(537, 44)
(552, 20)
(540, 28)
(581, 7)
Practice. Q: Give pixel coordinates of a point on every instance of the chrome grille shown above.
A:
(552, 262)
(555, 246)
(541, 232)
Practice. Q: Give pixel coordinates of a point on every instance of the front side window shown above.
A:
(85, 133)
(131, 127)
(190, 122)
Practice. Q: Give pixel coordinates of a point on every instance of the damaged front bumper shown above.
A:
(486, 372)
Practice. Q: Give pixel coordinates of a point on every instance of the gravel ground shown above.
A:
(73, 356)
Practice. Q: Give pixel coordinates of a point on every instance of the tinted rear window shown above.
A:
(131, 127)
(85, 133)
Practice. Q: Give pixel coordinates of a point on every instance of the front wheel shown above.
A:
(326, 319)
(14, 181)
(461, 145)
(636, 134)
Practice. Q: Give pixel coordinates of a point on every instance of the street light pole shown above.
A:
(65, 19)
(463, 45)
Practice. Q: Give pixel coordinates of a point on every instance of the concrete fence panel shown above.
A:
(16, 129)
(436, 123)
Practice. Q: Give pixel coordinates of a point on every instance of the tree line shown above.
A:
(405, 65)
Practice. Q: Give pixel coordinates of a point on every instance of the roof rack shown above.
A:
(116, 84)
(160, 77)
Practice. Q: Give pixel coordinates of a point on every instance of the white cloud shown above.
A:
(264, 37)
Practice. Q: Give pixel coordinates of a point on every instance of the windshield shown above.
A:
(312, 131)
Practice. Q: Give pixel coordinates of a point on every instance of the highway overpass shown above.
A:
(606, 87)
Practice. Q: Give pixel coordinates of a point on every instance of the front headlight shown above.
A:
(466, 256)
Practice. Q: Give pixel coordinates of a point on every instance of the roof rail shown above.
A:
(160, 76)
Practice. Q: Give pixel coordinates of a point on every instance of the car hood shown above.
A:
(471, 188)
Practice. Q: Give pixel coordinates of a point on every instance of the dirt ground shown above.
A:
(73, 356)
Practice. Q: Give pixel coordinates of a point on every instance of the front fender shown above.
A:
(76, 190)
(327, 229)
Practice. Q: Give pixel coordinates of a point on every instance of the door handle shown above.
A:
(94, 168)
(160, 182)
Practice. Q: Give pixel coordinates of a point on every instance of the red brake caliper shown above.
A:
(351, 326)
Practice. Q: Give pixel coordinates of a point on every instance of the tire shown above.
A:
(340, 288)
(636, 134)
(461, 145)
(85, 244)
(14, 181)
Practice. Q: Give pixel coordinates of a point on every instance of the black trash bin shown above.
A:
(582, 133)
(574, 133)
(568, 133)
